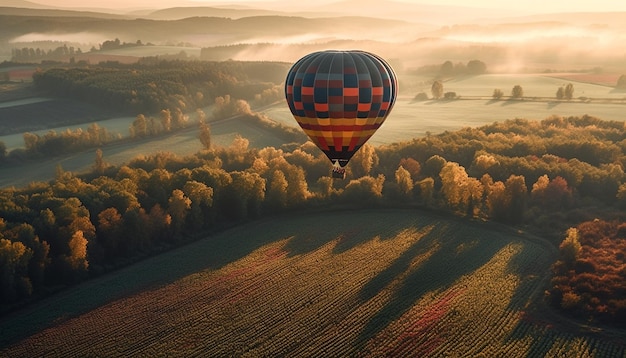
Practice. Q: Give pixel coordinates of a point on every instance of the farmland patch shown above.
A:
(343, 283)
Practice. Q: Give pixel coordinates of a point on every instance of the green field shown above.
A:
(344, 283)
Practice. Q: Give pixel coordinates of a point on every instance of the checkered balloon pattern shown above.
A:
(340, 98)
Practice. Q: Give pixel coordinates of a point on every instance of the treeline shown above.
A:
(545, 176)
(65, 52)
(449, 69)
(55, 143)
(152, 84)
(31, 54)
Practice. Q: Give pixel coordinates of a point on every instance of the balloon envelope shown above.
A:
(340, 99)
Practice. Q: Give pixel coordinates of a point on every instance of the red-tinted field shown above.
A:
(363, 283)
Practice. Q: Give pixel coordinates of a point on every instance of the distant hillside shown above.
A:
(202, 31)
(176, 13)
(24, 4)
(52, 12)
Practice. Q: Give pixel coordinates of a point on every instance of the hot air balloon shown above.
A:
(340, 99)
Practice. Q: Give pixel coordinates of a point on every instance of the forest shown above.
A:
(548, 177)
(181, 85)
(229, 87)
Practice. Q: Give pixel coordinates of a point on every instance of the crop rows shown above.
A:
(387, 283)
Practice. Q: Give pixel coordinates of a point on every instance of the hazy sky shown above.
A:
(527, 5)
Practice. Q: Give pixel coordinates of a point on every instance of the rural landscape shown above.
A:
(160, 195)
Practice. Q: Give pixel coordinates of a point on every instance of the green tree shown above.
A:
(3, 151)
(569, 91)
(437, 89)
(447, 68)
(476, 67)
(621, 82)
(560, 93)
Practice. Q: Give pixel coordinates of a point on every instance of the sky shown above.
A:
(537, 6)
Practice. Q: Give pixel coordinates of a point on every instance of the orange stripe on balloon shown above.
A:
(321, 107)
(350, 91)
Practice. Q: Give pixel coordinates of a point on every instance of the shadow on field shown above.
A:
(308, 232)
(438, 273)
(552, 104)
(349, 229)
(531, 274)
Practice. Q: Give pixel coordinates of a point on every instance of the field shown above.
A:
(343, 283)
(410, 119)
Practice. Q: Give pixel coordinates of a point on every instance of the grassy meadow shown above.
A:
(410, 119)
(339, 283)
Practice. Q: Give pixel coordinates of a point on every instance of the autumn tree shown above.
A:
(412, 166)
(404, 182)
(365, 190)
(552, 194)
(77, 257)
(205, 135)
(99, 164)
(364, 160)
(14, 281)
(517, 192)
(166, 119)
(109, 228)
(462, 192)
(139, 127)
(517, 92)
(276, 196)
(426, 190)
(497, 93)
(178, 207)
(570, 248)
(201, 197)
